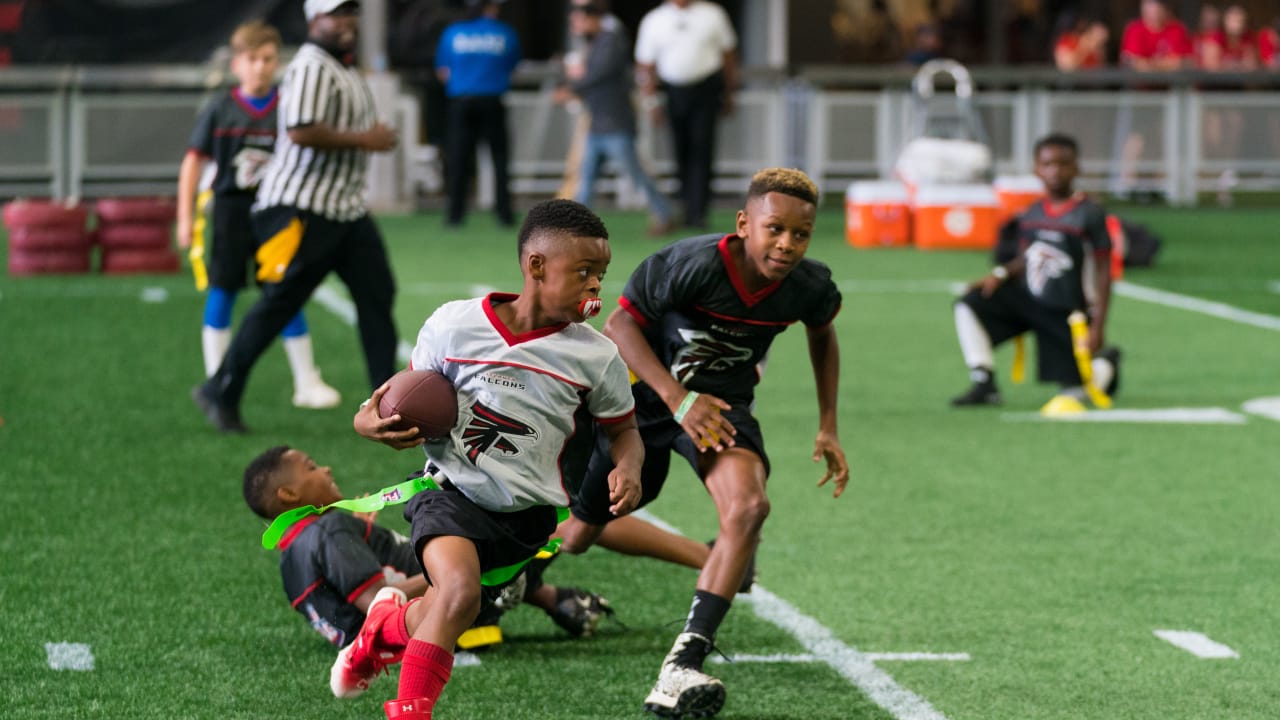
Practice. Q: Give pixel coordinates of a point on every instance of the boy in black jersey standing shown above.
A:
(695, 322)
(1061, 264)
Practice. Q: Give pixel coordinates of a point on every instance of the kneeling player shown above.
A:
(1060, 265)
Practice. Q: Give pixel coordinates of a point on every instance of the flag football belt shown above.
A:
(196, 254)
(398, 495)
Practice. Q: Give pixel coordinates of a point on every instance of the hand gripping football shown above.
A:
(424, 399)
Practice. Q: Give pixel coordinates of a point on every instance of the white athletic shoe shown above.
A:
(314, 394)
(684, 692)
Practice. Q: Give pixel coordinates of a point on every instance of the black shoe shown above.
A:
(223, 417)
(978, 394)
(1112, 355)
(579, 612)
(750, 578)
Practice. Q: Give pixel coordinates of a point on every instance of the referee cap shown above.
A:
(312, 8)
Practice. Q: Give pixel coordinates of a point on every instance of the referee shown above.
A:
(309, 216)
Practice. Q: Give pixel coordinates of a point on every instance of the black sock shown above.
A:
(706, 613)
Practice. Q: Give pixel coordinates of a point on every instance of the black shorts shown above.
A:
(230, 258)
(661, 435)
(1011, 311)
(501, 538)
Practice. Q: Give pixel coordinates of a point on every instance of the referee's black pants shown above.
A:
(692, 111)
(355, 251)
(474, 118)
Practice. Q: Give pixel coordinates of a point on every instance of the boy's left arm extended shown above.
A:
(824, 355)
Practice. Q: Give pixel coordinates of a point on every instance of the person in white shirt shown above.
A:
(687, 48)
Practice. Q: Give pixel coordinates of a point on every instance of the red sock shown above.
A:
(425, 670)
(392, 635)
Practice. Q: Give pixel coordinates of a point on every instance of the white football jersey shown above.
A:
(525, 402)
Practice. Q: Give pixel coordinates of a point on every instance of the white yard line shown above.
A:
(1219, 310)
(69, 656)
(154, 295)
(873, 656)
(1197, 644)
(854, 665)
(1175, 416)
(346, 311)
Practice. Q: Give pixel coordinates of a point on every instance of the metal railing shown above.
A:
(121, 131)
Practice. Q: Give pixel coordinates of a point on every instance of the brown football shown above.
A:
(424, 399)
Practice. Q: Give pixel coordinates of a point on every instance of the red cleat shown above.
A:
(360, 662)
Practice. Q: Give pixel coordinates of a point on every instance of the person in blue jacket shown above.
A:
(474, 60)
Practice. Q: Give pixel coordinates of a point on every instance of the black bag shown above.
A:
(1141, 245)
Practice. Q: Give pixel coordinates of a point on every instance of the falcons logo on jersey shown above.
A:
(491, 429)
(1044, 263)
(702, 351)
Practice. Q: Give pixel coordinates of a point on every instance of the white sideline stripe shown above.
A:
(916, 656)
(855, 666)
(69, 656)
(154, 295)
(346, 311)
(1179, 416)
(1194, 304)
(1197, 644)
(874, 656)
(816, 638)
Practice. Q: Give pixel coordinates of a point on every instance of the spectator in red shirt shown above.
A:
(1268, 43)
(1237, 48)
(1083, 46)
(1155, 41)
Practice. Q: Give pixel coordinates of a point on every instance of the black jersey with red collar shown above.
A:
(706, 326)
(1061, 243)
(239, 138)
(328, 560)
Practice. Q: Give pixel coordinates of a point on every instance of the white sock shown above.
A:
(975, 343)
(214, 343)
(302, 360)
(1103, 372)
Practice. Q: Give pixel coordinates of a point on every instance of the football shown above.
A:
(424, 399)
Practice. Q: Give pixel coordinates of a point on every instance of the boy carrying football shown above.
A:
(531, 378)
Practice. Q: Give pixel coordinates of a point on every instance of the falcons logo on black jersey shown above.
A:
(703, 351)
(491, 429)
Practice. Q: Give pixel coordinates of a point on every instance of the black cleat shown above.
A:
(223, 417)
(579, 612)
(978, 394)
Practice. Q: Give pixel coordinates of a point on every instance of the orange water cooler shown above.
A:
(1017, 193)
(877, 214)
(955, 217)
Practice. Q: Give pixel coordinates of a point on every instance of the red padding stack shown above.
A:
(47, 237)
(136, 236)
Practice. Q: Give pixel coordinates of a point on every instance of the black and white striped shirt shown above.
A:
(318, 88)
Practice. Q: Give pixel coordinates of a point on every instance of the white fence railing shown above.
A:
(125, 133)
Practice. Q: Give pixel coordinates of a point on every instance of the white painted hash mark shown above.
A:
(1197, 644)
(874, 656)
(465, 659)
(69, 656)
(154, 295)
(1174, 416)
(852, 664)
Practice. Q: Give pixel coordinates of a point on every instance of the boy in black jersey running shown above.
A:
(695, 322)
(1061, 264)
